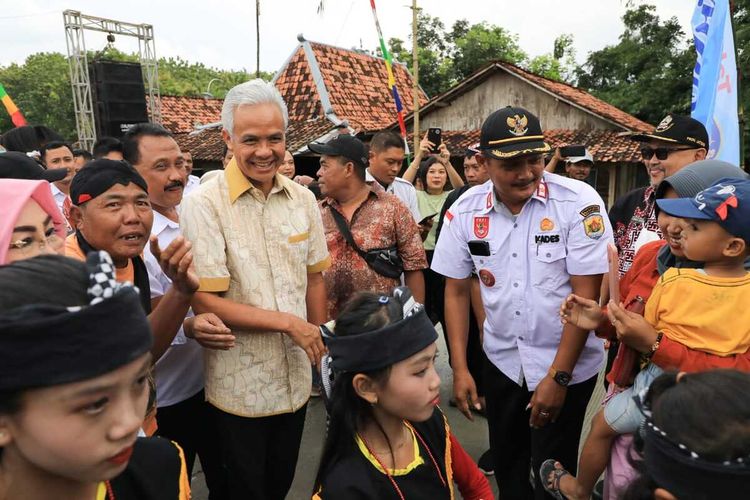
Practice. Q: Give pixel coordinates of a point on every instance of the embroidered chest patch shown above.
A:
(481, 226)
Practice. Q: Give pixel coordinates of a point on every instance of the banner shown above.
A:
(715, 79)
(15, 113)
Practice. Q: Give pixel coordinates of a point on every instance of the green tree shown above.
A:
(41, 89)
(41, 85)
(559, 64)
(448, 56)
(648, 73)
(435, 68)
(481, 43)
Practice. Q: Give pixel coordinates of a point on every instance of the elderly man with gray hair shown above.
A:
(259, 250)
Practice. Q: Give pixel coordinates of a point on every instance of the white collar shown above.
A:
(161, 223)
(56, 190)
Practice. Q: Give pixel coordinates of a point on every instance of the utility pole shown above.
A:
(257, 38)
(415, 71)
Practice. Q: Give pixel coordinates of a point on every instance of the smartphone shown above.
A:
(423, 221)
(572, 151)
(479, 248)
(435, 136)
(614, 274)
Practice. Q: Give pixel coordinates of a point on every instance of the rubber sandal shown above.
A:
(548, 466)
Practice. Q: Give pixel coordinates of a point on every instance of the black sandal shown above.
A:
(547, 468)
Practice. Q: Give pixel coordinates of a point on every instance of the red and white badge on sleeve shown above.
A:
(481, 226)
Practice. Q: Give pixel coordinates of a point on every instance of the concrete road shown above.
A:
(472, 435)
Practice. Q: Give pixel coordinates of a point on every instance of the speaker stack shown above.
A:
(119, 96)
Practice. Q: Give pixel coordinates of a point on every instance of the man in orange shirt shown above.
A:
(111, 212)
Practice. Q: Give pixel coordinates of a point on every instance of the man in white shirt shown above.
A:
(182, 413)
(193, 181)
(59, 155)
(386, 158)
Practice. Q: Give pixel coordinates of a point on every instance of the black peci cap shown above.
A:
(510, 132)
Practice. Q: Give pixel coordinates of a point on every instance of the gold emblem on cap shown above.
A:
(665, 124)
(518, 124)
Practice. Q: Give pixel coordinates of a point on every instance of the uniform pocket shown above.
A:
(487, 268)
(547, 265)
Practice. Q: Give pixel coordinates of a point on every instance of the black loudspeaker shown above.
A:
(118, 95)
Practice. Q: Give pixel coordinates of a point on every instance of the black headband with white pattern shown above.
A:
(380, 348)
(686, 474)
(43, 345)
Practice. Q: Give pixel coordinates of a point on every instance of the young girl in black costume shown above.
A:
(74, 358)
(387, 437)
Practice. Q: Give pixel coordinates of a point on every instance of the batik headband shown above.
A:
(98, 176)
(43, 345)
(380, 348)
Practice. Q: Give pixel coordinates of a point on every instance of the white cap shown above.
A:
(576, 159)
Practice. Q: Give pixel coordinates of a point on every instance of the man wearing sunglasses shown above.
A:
(675, 143)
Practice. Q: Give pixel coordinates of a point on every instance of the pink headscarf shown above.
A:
(14, 193)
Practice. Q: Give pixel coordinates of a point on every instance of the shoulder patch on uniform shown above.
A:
(593, 225)
(591, 209)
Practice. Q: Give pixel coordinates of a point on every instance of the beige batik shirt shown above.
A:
(257, 251)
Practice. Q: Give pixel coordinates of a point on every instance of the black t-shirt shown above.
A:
(155, 472)
(354, 477)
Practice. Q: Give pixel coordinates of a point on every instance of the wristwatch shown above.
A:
(559, 376)
(654, 346)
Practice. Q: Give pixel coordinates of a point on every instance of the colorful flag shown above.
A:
(715, 79)
(391, 79)
(15, 113)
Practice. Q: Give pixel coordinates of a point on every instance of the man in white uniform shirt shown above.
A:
(386, 158)
(533, 238)
(182, 413)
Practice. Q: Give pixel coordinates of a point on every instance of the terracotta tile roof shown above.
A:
(297, 88)
(300, 134)
(182, 114)
(208, 144)
(204, 146)
(607, 146)
(357, 86)
(582, 99)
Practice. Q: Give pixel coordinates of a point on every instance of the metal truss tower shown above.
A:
(75, 25)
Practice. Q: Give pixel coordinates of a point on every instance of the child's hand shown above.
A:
(632, 328)
(581, 312)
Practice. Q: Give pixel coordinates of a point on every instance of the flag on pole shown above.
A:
(15, 113)
(715, 79)
(391, 79)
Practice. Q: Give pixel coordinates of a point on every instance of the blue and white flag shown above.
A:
(715, 79)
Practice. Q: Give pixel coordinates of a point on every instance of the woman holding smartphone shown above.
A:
(432, 167)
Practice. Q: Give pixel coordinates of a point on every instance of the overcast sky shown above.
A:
(221, 33)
